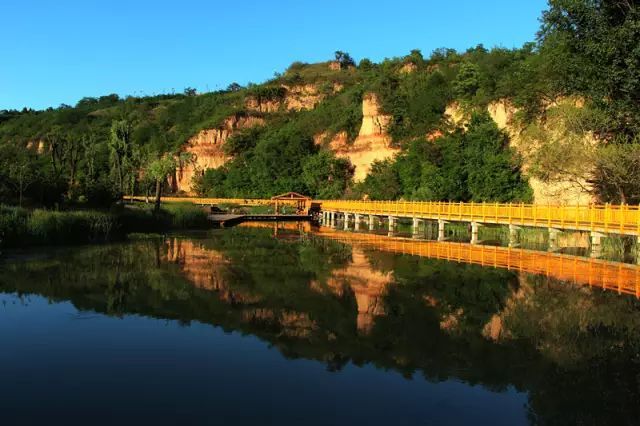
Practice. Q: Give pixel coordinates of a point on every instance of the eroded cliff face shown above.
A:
(372, 144)
(206, 149)
(557, 191)
(296, 98)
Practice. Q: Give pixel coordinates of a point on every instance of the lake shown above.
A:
(257, 325)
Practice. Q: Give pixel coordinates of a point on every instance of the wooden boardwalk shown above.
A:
(227, 220)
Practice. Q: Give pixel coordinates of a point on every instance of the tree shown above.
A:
(158, 170)
(595, 46)
(344, 59)
(616, 176)
(325, 175)
(22, 172)
(467, 82)
(382, 182)
(190, 91)
(234, 87)
(120, 152)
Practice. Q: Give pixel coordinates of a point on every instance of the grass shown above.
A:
(20, 227)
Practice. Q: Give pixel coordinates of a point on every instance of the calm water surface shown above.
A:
(241, 327)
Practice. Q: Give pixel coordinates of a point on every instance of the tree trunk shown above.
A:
(158, 194)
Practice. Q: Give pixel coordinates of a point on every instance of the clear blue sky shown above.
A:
(58, 51)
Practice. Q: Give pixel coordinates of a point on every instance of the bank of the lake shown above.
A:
(20, 227)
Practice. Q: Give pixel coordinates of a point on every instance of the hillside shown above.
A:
(497, 124)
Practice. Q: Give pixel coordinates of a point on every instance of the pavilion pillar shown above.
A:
(346, 221)
(356, 222)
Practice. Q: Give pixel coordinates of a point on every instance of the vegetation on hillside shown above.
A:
(586, 50)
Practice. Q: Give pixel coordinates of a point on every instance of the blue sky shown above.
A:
(58, 51)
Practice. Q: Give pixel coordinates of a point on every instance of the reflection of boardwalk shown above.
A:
(619, 277)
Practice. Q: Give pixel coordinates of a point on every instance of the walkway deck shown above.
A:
(227, 220)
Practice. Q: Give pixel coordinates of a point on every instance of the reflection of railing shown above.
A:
(619, 277)
(620, 219)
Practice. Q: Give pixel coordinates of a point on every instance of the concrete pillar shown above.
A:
(441, 236)
(356, 223)
(346, 221)
(474, 232)
(372, 222)
(513, 235)
(392, 225)
(416, 226)
(596, 244)
(553, 239)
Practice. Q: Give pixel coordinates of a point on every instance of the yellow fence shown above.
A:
(615, 276)
(620, 219)
(616, 219)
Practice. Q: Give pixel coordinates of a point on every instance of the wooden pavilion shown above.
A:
(302, 202)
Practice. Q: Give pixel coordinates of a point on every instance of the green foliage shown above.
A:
(475, 164)
(326, 176)
(596, 46)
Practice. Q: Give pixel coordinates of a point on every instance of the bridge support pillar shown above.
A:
(596, 244)
(416, 227)
(393, 222)
(372, 222)
(474, 232)
(441, 224)
(513, 235)
(553, 239)
(346, 221)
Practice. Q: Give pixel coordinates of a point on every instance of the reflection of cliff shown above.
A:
(367, 284)
(207, 269)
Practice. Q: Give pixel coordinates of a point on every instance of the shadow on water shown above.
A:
(573, 349)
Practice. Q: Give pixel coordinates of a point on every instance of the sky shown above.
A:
(59, 51)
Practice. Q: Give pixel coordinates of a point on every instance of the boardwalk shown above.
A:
(598, 220)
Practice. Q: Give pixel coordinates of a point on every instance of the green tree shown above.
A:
(120, 152)
(326, 176)
(598, 55)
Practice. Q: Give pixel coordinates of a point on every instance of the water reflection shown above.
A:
(394, 304)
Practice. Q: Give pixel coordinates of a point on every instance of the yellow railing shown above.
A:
(615, 276)
(621, 219)
(211, 201)
(616, 219)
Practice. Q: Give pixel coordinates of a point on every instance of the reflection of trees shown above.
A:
(562, 344)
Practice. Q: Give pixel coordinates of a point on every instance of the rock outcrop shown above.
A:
(559, 191)
(206, 149)
(296, 98)
(372, 144)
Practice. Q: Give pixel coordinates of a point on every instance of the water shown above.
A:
(241, 327)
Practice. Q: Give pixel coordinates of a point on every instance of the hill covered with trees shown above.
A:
(571, 97)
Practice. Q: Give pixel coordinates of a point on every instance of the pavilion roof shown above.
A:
(290, 196)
